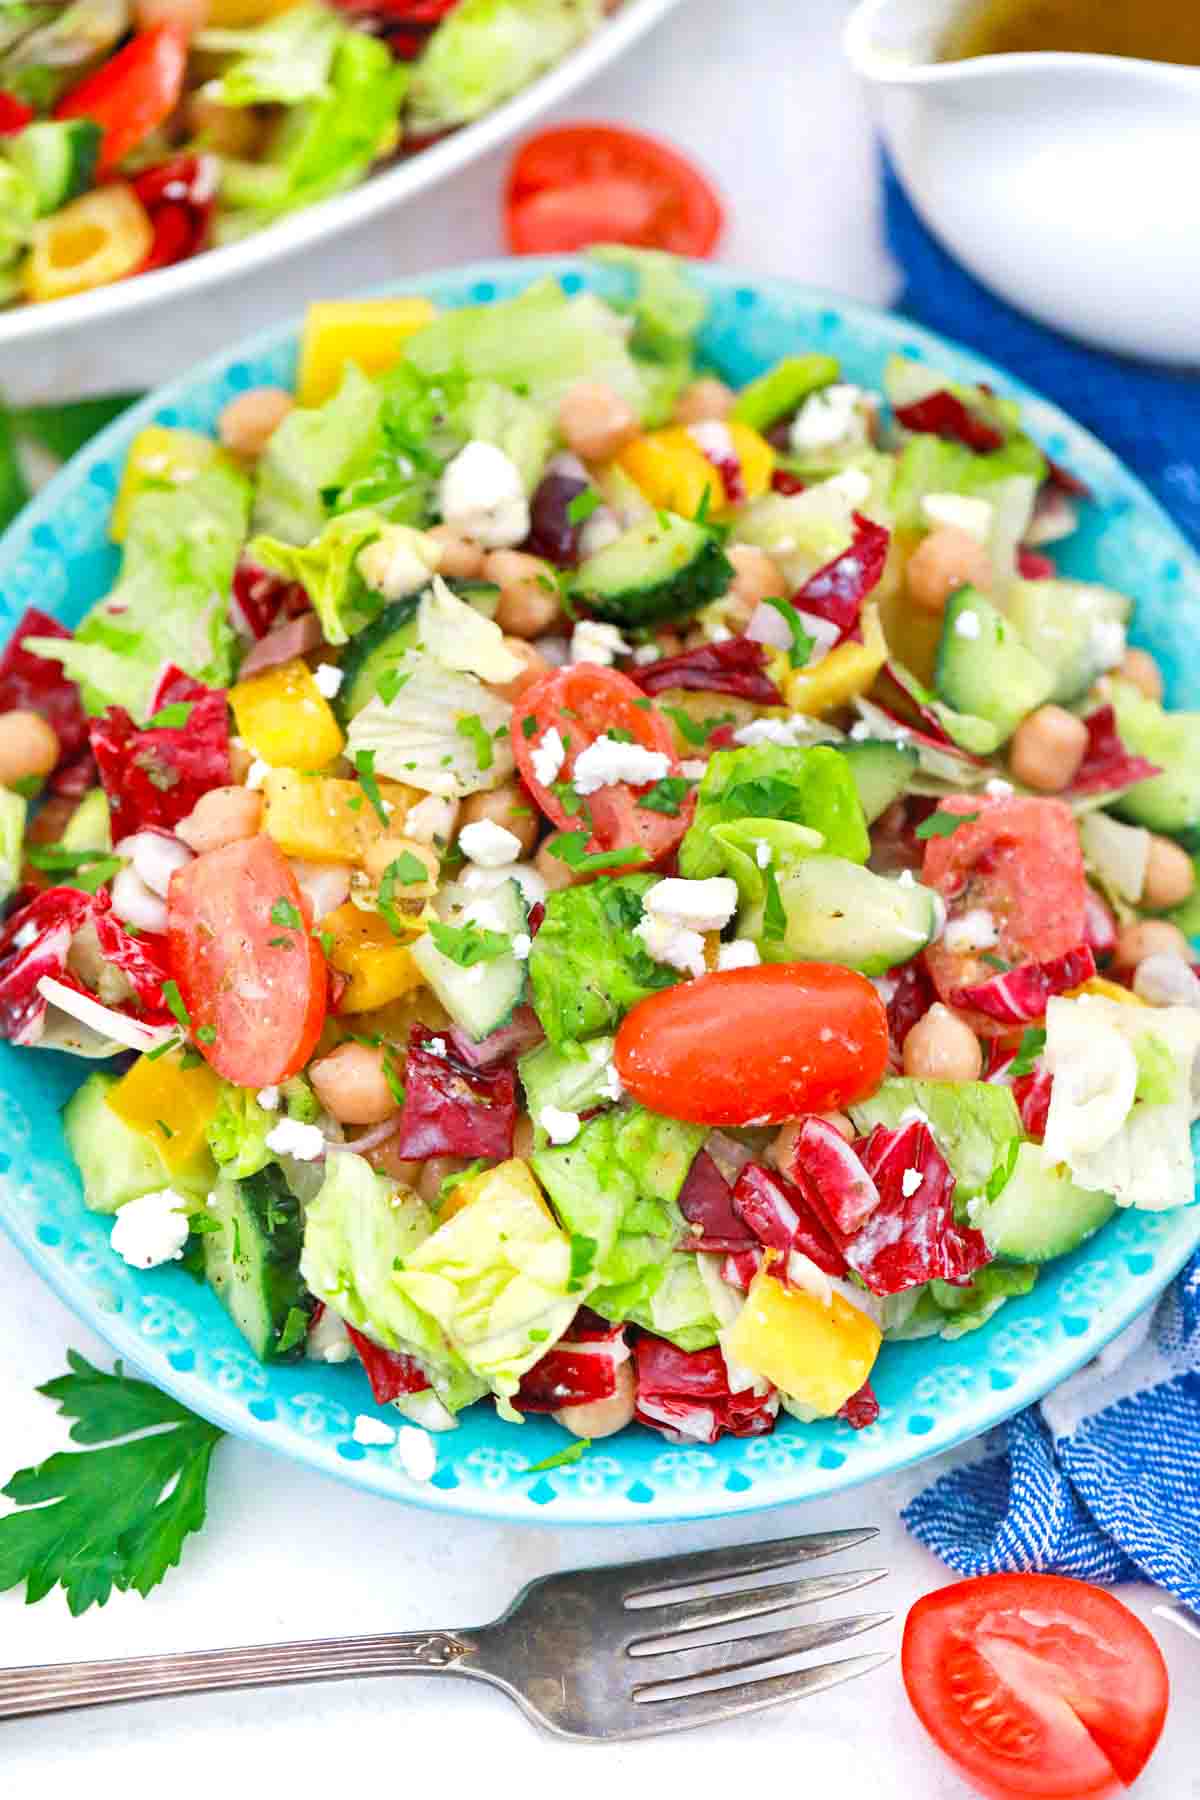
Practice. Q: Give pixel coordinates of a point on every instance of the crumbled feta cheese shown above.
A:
(975, 930)
(430, 819)
(611, 1085)
(999, 789)
(1106, 641)
(592, 641)
(560, 1126)
(967, 625)
(910, 1181)
(646, 653)
(522, 944)
(860, 731)
(328, 678)
(742, 953)
(290, 1138)
(700, 905)
(488, 844)
(482, 495)
(548, 756)
(26, 936)
(673, 944)
(608, 761)
(831, 417)
(257, 773)
(906, 878)
(694, 767)
(417, 1453)
(399, 562)
(965, 512)
(853, 485)
(436, 1046)
(372, 1431)
(268, 1099)
(788, 732)
(151, 1230)
(763, 853)
(485, 881)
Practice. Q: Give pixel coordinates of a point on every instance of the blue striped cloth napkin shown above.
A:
(1102, 1480)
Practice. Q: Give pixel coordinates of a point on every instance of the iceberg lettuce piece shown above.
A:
(314, 450)
(486, 50)
(237, 1132)
(740, 843)
(667, 312)
(939, 1309)
(934, 465)
(327, 570)
(801, 532)
(572, 1077)
(813, 786)
(444, 732)
(461, 638)
(285, 60)
(973, 1123)
(12, 838)
(586, 967)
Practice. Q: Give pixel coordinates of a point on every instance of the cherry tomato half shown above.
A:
(582, 704)
(131, 94)
(1037, 1687)
(253, 981)
(755, 1046)
(586, 184)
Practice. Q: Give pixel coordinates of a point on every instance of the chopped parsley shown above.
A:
(404, 871)
(89, 870)
(284, 913)
(172, 717)
(666, 796)
(1001, 1175)
(1031, 1047)
(583, 1255)
(529, 726)
(583, 506)
(206, 1034)
(280, 943)
(774, 926)
(572, 1454)
(392, 1076)
(571, 802)
(174, 1000)
(389, 684)
(803, 641)
(474, 730)
(467, 945)
(164, 1128)
(364, 763)
(941, 824)
(571, 848)
(295, 1330)
(697, 731)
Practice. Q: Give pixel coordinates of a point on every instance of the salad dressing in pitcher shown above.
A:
(1155, 30)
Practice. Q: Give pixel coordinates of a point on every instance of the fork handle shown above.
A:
(57, 1687)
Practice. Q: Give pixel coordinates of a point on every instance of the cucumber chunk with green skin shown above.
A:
(838, 912)
(881, 771)
(1068, 626)
(482, 997)
(1169, 802)
(116, 1162)
(1039, 1213)
(660, 568)
(381, 644)
(781, 390)
(252, 1261)
(983, 667)
(58, 156)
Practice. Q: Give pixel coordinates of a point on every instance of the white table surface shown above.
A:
(756, 92)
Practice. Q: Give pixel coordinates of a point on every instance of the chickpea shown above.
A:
(529, 597)
(190, 16)
(229, 130)
(508, 805)
(1047, 749)
(220, 817)
(842, 1124)
(707, 398)
(942, 562)
(595, 422)
(351, 1084)
(1170, 875)
(602, 1418)
(28, 747)
(385, 1161)
(462, 557)
(1140, 668)
(247, 423)
(941, 1047)
(553, 871)
(523, 1136)
(433, 1172)
(782, 1148)
(535, 667)
(1149, 937)
(241, 759)
(756, 578)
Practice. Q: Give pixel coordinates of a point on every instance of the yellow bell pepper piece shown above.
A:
(101, 237)
(326, 820)
(370, 333)
(161, 458)
(755, 456)
(378, 966)
(672, 472)
(172, 1106)
(229, 15)
(514, 1176)
(1107, 990)
(285, 718)
(813, 1353)
(846, 672)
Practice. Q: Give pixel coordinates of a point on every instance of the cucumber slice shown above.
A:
(381, 644)
(658, 569)
(1039, 1213)
(89, 826)
(1067, 625)
(58, 156)
(483, 997)
(838, 912)
(983, 668)
(881, 770)
(1168, 802)
(117, 1163)
(252, 1261)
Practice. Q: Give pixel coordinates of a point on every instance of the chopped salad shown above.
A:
(137, 133)
(593, 891)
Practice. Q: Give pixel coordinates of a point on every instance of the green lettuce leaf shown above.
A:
(488, 49)
(668, 311)
(573, 1077)
(812, 787)
(317, 450)
(586, 968)
(287, 59)
(940, 1309)
(237, 1133)
(327, 571)
(12, 837)
(973, 1122)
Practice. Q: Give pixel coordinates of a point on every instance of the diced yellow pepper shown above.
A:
(673, 473)
(371, 333)
(813, 1353)
(326, 820)
(378, 966)
(172, 1106)
(285, 718)
(755, 457)
(1106, 990)
(515, 1176)
(101, 237)
(161, 457)
(228, 15)
(842, 675)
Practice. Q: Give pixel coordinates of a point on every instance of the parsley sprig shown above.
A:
(941, 824)
(571, 848)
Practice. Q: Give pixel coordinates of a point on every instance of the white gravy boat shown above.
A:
(1069, 184)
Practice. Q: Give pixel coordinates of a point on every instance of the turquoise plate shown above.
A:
(932, 1394)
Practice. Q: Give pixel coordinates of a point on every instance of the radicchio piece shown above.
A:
(259, 597)
(782, 1219)
(173, 686)
(286, 640)
(155, 777)
(1099, 925)
(861, 1409)
(404, 25)
(837, 590)
(706, 1202)
(782, 480)
(687, 1393)
(909, 995)
(1063, 478)
(142, 960)
(911, 1237)
(451, 1109)
(945, 415)
(35, 942)
(389, 1372)
(1019, 996)
(1032, 565)
(30, 683)
(522, 1032)
(581, 1368)
(822, 1159)
(179, 196)
(1107, 766)
(737, 665)
(1032, 1095)
(739, 1268)
(934, 733)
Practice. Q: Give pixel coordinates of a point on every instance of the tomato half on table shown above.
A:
(251, 976)
(590, 184)
(755, 1046)
(1018, 860)
(582, 704)
(131, 94)
(1037, 1687)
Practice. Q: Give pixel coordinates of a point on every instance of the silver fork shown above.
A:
(592, 1654)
